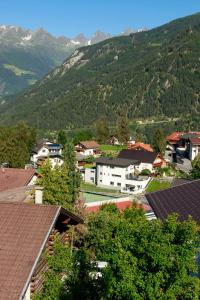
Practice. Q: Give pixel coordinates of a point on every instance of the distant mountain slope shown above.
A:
(26, 56)
(150, 73)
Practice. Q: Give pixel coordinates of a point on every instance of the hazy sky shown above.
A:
(66, 17)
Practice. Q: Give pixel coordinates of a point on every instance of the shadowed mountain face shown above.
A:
(26, 56)
(150, 73)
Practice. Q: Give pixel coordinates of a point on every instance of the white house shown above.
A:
(194, 147)
(87, 148)
(45, 149)
(120, 173)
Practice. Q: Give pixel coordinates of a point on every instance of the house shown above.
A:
(147, 159)
(45, 149)
(194, 147)
(120, 173)
(183, 199)
(113, 141)
(87, 148)
(27, 232)
(140, 146)
(11, 178)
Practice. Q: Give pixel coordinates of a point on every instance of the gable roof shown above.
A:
(146, 147)
(119, 162)
(182, 199)
(12, 178)
(24, 231)
(89, 144)
(139, 155)
(195, 141)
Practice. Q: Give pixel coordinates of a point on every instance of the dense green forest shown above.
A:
(149, 74)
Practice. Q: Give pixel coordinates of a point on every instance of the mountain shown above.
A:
(26, 55)
(150, 74)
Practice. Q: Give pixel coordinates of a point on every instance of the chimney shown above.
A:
(38, 194)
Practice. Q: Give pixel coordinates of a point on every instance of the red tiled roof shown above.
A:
(174, 136)
(90, 144)
(24, 229)
(195, 141)
(146, 147)
(121, 206)
(12, 178)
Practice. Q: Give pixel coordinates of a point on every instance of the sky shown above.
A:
(68, 17)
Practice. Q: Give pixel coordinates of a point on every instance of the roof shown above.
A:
(40, 143)
(139, 155)
(174, 136)
(54, 146)
(20, 194)
(24, 231)
(120, 162)
(146, 147)
(12, 178)
(195, 141)
(182, 199)
(89, 144)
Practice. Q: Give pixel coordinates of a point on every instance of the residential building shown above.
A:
(120, 174)
(194, 147)
(87, 148)
(11, 178)
(183, 199)
(45, 149)
(147, 160)
(27, 232)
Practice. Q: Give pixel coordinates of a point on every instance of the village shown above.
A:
(115, 173)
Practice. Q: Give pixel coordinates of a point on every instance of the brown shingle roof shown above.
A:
(90, 144)
(183, 200)
(12, 178)
(24, 229)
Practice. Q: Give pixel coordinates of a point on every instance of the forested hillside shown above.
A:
(150, 74)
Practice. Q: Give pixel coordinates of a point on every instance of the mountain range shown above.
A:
(26, 55)
(153, 73)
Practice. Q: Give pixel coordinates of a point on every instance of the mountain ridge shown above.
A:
(152, 73)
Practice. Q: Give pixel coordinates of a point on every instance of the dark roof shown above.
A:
(182, 199)
(179, 181)
(121, 162)
(140, 155)
(12, 178)
(24, 231)
(54, 146)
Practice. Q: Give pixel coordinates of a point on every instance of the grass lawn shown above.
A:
(156, 185)
(114, 148)
(93, 188)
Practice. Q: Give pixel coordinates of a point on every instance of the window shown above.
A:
(115, 175)
(118, 184)
(112, 167)
(92, 179)
(101, 173)
(111, 183)
(100, 180)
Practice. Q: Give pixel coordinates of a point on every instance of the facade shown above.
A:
(120, 174)
(194, 148)
(43, 150)
(87, 148)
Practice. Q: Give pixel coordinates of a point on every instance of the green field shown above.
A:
(112, 148)
(156, 185)
(93, 188)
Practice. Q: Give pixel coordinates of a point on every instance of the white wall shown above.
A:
(90, 175)
(193, 152)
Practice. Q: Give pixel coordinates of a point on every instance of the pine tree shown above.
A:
(74, 176)
(159, 142)
(122, 129)
(102, 130)
(62, 138)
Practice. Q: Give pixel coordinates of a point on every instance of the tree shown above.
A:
(83, 135)
(122, 128)
(62, 138)
(159, 142)
(74, 175)
(195, 173)
(146, 259)
(102, 130)
(15, 144)
(56, 184)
